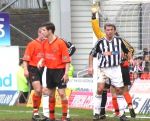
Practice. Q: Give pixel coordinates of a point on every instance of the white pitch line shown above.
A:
(11, 111)
(74, 115)
(137, 117)
(20, 111)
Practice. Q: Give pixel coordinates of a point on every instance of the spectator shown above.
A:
(146, 66)
(22, 83)
(146, 62)
(145, 50)
(137, 67)
(134, 76)
(71, 71)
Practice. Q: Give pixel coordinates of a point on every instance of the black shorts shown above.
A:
(54, 78)
(107, 86)
(35, 74)
(125, 75)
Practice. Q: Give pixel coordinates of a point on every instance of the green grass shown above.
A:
(15, 112)
(22, 112)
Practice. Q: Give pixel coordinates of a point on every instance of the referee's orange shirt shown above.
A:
(33, 52)
(56, 54)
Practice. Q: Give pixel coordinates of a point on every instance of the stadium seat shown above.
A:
(145, 76)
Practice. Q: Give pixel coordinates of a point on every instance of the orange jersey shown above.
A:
(125, 64)
(56, 54)
(33, 52)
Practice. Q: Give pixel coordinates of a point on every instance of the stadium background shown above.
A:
(130, 16)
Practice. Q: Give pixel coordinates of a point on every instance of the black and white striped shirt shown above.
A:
(115, 47)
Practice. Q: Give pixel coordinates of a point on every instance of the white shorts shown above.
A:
(111, 73)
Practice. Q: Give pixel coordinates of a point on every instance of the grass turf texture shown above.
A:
(22, 113)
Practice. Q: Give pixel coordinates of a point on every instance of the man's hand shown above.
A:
(95, 8)
(25, 67)
(40, 63)
(41, 37)
(65, 78)
(90, 70)
(107, 53)
(131, 61)
(26, 73)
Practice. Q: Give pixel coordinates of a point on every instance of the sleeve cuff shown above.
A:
(93, 15)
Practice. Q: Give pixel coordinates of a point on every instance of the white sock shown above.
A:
(97, 104)
(45, 105)
(121, 104)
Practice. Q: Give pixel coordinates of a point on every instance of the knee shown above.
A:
(119, 91)
(100, 90)
(38, 91)
(45, 91)
(51, 94)
(114, 94)
(125, 89)
(62, 96)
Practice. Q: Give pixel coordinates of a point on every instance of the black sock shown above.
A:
(103, 103)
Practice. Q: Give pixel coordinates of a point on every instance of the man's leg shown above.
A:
(126, 94)
(97, 105)
(61, 90)
(36, 98)
(119, 92)
(51, 85)
(104, 99)
(52, 104)
(45, 99)
(117, 103)
(103, 104)
(128, 99)
(114, 101)
(97, 101)
(64, 103)
(117, 82)
(35, 79)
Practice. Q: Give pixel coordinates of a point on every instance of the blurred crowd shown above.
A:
(140, 69)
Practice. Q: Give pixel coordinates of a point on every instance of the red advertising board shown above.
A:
(80, 100)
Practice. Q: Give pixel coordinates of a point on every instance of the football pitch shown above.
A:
(23, 113)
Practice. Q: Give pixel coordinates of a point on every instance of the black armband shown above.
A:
(93, 52)
(93, 15)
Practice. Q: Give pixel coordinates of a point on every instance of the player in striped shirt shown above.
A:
(109, 52)
(125, 73)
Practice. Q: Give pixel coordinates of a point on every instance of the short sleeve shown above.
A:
(95, 49)
(65, 53)
(28, 52)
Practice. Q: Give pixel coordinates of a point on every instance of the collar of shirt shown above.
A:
(50, 42)
(38, 40)
(109, 40)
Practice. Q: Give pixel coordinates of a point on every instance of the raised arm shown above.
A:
(96, 28)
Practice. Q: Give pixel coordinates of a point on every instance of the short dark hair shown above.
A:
(117, 34)
(20, 61)
(109, 24)
(49, 26)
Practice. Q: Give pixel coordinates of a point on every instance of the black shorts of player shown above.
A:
(107, 86)
(125, 75)
(35, 74)
(54, 78)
